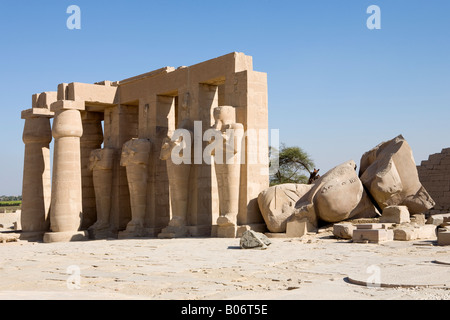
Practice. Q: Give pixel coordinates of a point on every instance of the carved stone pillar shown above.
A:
(228, 167)
(179, 185)
(135, 157)
(101, 164)
(66, 205)
(36, 187)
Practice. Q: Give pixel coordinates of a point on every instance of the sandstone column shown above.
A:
(101, 164)
(228, 167)
(36, 188)
(66, 205)
(135, 157)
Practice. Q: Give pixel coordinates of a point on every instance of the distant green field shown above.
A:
(10, 203)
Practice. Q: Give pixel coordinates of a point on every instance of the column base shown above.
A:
(66, 236)
(101, 234)
(199, 231)
(236, 231)
(227, 231)
(139, 233)
(32, 236)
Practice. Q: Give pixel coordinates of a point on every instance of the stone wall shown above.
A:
(434, 174)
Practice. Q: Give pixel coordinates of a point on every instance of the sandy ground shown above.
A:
(315, 267)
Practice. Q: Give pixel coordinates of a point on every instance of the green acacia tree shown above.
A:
(295, 166)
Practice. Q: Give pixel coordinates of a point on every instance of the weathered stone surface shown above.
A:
(415, 232)
(9, 237)
(336, 196)
(395, 214)
(254, 240)
(389, 173)
(443, 238)
(277, 204)
(370, 226)
(372, 235)
(434, 175)
(343, 230)
(439, 219)
(298, 227)
(418, 218)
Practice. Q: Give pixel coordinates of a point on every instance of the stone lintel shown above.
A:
(67, 105)
(37, 113)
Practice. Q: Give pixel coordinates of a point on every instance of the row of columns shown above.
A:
(62, 214)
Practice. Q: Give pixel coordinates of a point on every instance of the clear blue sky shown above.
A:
(336, 88)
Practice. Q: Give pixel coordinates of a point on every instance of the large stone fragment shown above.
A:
(254, 240)
(395, 214)
(439, 219)
(444, 238)
(415, 232)
(372, 235)
(297, 228)
(389, 173)
(336, 196)
(277, 204)
(343, 230)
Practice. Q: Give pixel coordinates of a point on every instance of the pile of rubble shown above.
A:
(386, 191)
(394, 224)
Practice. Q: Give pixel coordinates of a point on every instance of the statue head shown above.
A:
(135, 151)
(224, 115)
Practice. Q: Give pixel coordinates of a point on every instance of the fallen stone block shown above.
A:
(9, 237)
(439, 219)
(418, 218)
(417, 232)
(372, 235)
(443, 238)
(395, 214)
(254, 240)
(343, 230)
(277, 204)
(369, 226)
(297, 228)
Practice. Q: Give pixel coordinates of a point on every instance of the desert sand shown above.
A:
(313, 267)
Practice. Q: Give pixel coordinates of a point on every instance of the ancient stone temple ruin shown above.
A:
(113, 174)
(434, 174)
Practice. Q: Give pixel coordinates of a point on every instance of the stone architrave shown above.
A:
(277, 204)
(66, 204)
(101, 165)
(336, 196)
(36, 188)
(390, 175)
(227, 159)
(135, 157)
(179, 186)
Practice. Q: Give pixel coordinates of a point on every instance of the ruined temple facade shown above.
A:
(434, 174)
(111, 176)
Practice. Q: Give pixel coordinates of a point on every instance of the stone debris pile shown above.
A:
(386, 193)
